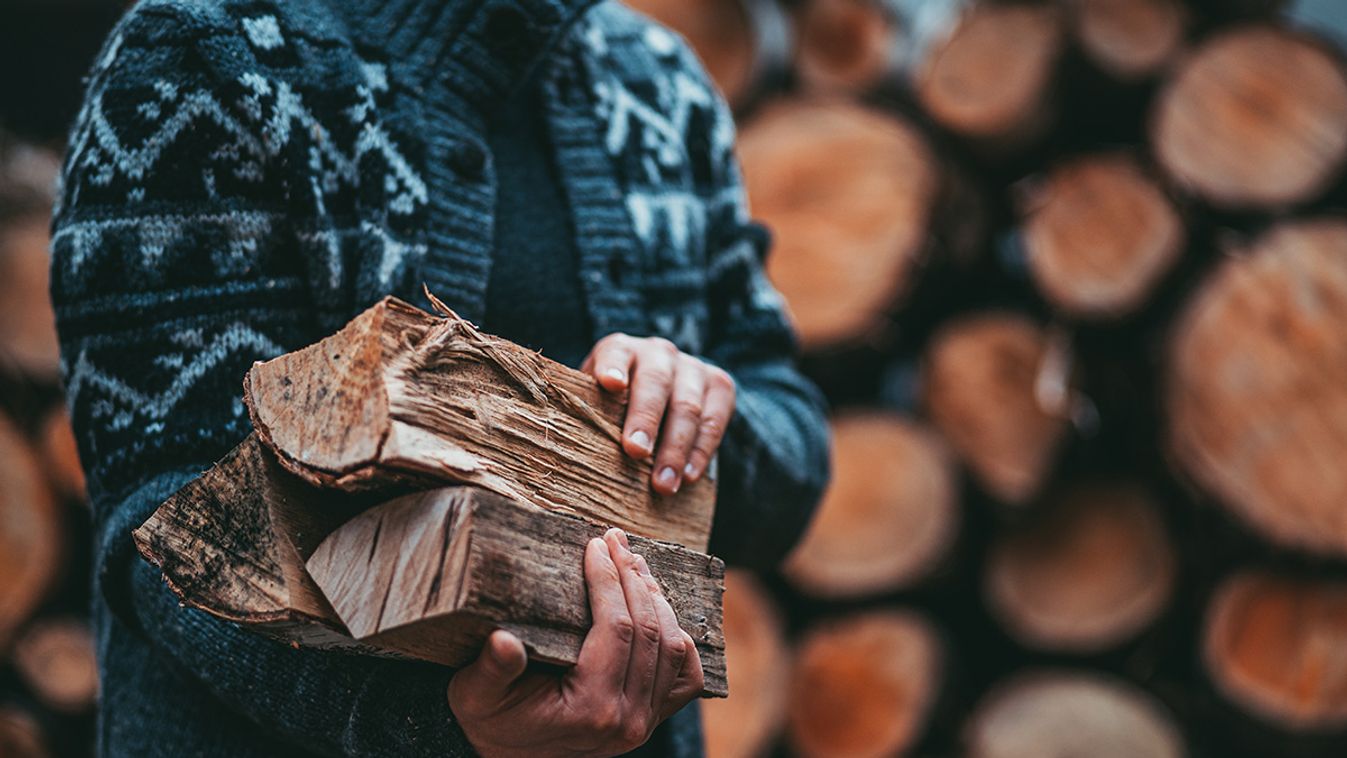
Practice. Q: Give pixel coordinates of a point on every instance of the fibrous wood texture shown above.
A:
(889, 514)
(1277, 646)
(31, 534)
(744, 724)
(1065, 713)
(848, 193)
(1257, 390)
(401, 395)
(1256, 117)
(431, 574)
(1130, 39)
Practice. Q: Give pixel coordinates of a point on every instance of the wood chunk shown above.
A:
(979, 388)
(55, 657)
(61, 455)
(1256, 117)
(1277, 646)
(27, 322)
(1092, 572)
(31, 534)
(20, 735)
(846, 45)
(1130, 39)
(889, 514)
(848, 193)
(1043, 713)
(431, 574)
(1257, 386)
(399, 395)
(864, 686)
(744, 724)
(1099, 234)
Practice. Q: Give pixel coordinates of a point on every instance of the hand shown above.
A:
(692, 398)
(635, 669)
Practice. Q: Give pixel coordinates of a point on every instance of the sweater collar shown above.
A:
(478, 50)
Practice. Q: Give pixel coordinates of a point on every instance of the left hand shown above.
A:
(676, 398)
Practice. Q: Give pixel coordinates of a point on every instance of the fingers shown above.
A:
(673, 644)
(681, 423)
(486, 681)
(717, 410)
(690, 682)
(644, 662)
(610, 361)
(606, 651)
(651, 384)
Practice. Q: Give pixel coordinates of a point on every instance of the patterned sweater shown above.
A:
(246, 175)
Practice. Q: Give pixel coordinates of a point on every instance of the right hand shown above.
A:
(635, 669)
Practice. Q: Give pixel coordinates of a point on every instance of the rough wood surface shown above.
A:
(1130, 39)
(864, 685)
(846, 45)
(1066, 713)
(847, 192)
(31, 535)
(979, 387)
(1257, 385)
(55, 657)
(1099, 234)
(744, 724)
(401, 395)
(890, 512)
(431, 574)
(1277, 646)
(1257, 116)
(1091, 572)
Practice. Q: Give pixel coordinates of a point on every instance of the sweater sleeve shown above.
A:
(174, 268)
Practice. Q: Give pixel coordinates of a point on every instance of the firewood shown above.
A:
(1063, 713)
(864, 686)
(431, 574)
(55, 657)
(27, 322)
(846, 45)
(890, 512)
(31, 534)
(1277, 646)
(61, 455)
(1130, 39)
(1098, 235)
(979, 387)
(991, 79)
(1257, 386)
(744, 724)
(1093, 571)
(20, 735)
(1256, 117)
(401, 395)
(848, 194)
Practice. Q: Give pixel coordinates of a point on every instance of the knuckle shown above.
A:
(635, 732)
(675, 646)
(664, 346)
(712, 426)
(623, 628)
(720, 378)
(687, 407)
(605, 718)
(650, 631)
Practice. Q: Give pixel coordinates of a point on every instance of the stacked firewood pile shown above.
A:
(1074, 277)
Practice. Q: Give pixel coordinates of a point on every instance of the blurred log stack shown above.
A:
(1073, 274)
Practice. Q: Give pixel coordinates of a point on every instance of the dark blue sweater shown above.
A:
(246, 175)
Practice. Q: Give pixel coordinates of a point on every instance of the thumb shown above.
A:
(500, 663)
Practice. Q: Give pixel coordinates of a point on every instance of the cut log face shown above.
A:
(720, 32)
(864, 686)
(1071, 713)
(979, 388)
(744, 724)
(61, 455)
(847, 192)
(1130, 39)
(27, 322)
(1277, 646)
(1256, 117)
(1092, 573)
(846, 45)
(431, 574)
(55, 657)
(20, 735)
(1257, 386)
(991, 78)
(399, 395)
(890, 512)
(30, 531)
(1099, 234)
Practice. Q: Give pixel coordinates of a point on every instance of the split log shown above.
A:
(890, 512)
(1277, 646)
(430, 575)
(979, 387)
(1095, 570)
(61, 455)
(1130, 39)
(55, 658)
(1256, 117)
(401, 395)
(1257, 386)
(31, 535)
(744, 724)
(864, 686)
(1098, 235)
(848, 46)
(991, 78)
(1071, 713)
(20, 735)
(27, 322)
(848, 194)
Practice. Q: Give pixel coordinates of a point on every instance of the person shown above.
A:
(247, 175)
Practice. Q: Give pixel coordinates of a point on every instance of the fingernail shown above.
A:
(690, 471)
(667, 477)
(640, 439)
(622, 538)
(616, 373)
(642, 566)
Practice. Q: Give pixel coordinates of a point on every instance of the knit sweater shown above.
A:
(246, 175)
